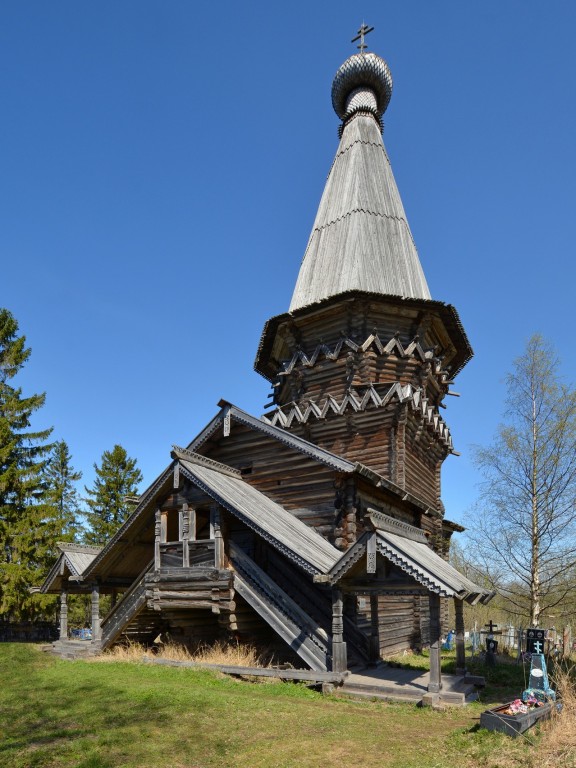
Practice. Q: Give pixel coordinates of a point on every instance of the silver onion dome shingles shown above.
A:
(362, 83)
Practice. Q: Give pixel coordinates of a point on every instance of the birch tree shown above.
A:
(524, 534)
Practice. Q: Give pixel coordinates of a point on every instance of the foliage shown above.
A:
(26, 547)
(523, 535)
(109, 500)
(61, 494)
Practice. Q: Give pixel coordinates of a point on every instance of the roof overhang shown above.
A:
(407, 548)
(447, 313)
(69, 567)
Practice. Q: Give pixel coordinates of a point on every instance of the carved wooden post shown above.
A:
(216, 534)
(460, 649)
(95, 612)
(400, 447)
(192, 524)
(157, 535)
(63, 615)
(374, 646)
(339, 656)
(435, 683)
(185, 518)
(163, 526)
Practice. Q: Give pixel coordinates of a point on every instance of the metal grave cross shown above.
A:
(364, 30)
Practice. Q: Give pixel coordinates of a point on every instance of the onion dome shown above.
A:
(362, 84)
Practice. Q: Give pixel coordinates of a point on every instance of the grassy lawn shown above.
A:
(57, 714)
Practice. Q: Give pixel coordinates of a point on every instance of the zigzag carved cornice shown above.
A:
(308, 409)
(392, 347)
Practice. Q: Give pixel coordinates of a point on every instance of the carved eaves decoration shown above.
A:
(204, 461)
(309, 409)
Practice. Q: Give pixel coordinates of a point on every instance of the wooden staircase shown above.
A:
(280, 611)
(126, 611)
(318, 606)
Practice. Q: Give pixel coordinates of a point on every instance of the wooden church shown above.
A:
(317, 529)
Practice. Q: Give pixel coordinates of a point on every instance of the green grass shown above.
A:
(62, 714)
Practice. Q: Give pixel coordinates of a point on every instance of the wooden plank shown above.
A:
(283, 674)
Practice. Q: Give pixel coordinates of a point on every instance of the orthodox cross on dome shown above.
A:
(364, 30)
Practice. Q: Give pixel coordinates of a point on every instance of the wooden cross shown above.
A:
(491, 627)
(364, 30)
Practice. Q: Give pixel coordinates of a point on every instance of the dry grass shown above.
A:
(557, 746)
(231, 654)
(553, 744)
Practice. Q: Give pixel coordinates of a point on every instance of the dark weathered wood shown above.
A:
(95, 612)
(339, 655)
(460, 644)
(63, 615)
(435, 683)
(185, 535)
(157, 538)
(274, 672)
(216, 531)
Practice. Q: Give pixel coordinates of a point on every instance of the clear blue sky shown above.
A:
(160, 168)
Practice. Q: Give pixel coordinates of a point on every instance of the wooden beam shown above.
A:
(282, 674)
(435, 683)
(95, 612)
(339, 655)
(157, 537)
(63, 615)
(185, 535)
(460, 645)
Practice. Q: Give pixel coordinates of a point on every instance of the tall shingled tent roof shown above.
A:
(360, 239)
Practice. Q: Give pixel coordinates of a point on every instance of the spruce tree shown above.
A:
(61, 496)
(117, 479)
(24, 537)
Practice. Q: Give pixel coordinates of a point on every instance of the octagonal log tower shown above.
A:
(363, 359)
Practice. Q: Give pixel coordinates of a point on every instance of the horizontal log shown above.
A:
(283, 674)
(195, 605)
(200, 594)
(192, 605)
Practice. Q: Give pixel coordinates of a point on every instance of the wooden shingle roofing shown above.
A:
(75, 558)
(360, 239)
(407, 547)
(272, 522)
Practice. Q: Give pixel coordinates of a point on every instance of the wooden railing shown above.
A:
(200, 552)
(125, 609)
(278, 609)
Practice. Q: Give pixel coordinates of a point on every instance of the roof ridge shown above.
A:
(71, 546)
(262, 424)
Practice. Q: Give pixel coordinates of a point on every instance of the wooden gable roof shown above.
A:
(230, 413)
(407, 547)
(269, 520)
(72, 562)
